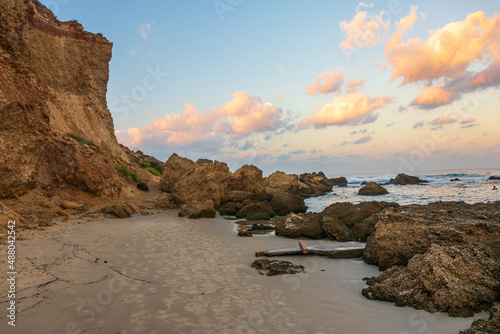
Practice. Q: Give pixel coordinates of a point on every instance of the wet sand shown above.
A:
(165, 274)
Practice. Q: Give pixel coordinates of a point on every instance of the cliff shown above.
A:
(53, 82)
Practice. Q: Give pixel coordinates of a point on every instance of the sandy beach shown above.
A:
(165, 274)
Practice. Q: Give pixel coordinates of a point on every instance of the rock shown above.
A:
(403, 179)
(494, 178)
(165, 202)
(175, 167)
(455, 180)
(335, 229)
(245, 234)
(248, 179)
(202, 183)
(145, 212)
(277, 267)
(314, 184)
(230, 208)
(260, 227)
(438, 257)
(483, 326)
(285, 203)
(283, 182)
(198, 209)
(238, 196)
(123, 210)
(339, 181)
(300, 225)
(67, 205)
(372, 189)
(205, 162)
(143, 186)
(256, 211)
(364, 183)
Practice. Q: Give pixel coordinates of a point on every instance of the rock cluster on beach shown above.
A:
(438, 257)
(244, 193)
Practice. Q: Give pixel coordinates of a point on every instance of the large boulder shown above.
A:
(339, 181)
(198, 209)
(256, 211)
(123, 210)
(202, 183)
(165, 202)
(314, 184)
(283, 182)
(439, 257)
(300, 225)
(248, 179)
(372, 189)
(335, 229)
(284, 203)
(175, 167)
(403, 179)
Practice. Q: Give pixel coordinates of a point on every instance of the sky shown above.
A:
(342, 87)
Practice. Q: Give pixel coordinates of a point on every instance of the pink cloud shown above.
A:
(444, 120)
(432, 97)
(364, 29)
(353, 86)
(468, 121)
(327, 82)
(243, 115)
(350, 109)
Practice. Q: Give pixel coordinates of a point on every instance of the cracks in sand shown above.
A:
(135, 278)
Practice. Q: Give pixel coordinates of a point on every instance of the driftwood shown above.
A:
(334, 251)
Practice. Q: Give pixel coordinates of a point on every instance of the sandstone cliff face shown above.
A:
(53, 79)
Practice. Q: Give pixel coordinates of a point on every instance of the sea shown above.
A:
(473, 187)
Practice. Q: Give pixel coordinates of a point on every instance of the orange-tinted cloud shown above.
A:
(327, 82)
(364, 29)
(350, 109)
(432, 97)
(448, 52)
(243, 115)
(468, 121)
(353, 86)
(444, 120)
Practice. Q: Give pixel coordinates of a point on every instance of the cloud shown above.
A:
(298, 152)
(469, 126)
(250, 114)
(390, 124)
(432, 97)
(279, 95)
(281, 69)
(353, 86)
(210, 129)
(364, 29)
(418, 125)
(147, 29)
(468, 121)
(447, 56)
(350, 109)
(327, 82)
(444, 120)
(363, 140)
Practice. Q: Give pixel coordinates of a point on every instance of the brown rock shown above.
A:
(175, 167)
(256, 211)
(335, 229)
(248, 179)
(339, 181)
(277, 267)
(314, 184)
(165, 202)
(372, 189)
(67, 205)
(283, 182)
(245, 234)
(123, 210)
(483, 326)
(285, 203)
(202, 183)
(198, 209)
(300, 225)
(403, 179)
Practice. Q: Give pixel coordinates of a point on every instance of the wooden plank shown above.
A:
(303, 246)
(257, 254)
(336, 251)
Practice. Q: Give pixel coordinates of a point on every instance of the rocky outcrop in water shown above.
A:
(439, 257)
(372, 189)
(403, 179)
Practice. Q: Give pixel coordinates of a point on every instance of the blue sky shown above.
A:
(239, 73)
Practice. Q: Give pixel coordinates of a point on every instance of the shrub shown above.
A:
(146, 164)
(142, 186)
(153, 171)
(126, 173)
(82, 140)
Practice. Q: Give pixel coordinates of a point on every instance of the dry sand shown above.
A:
(165, 274)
